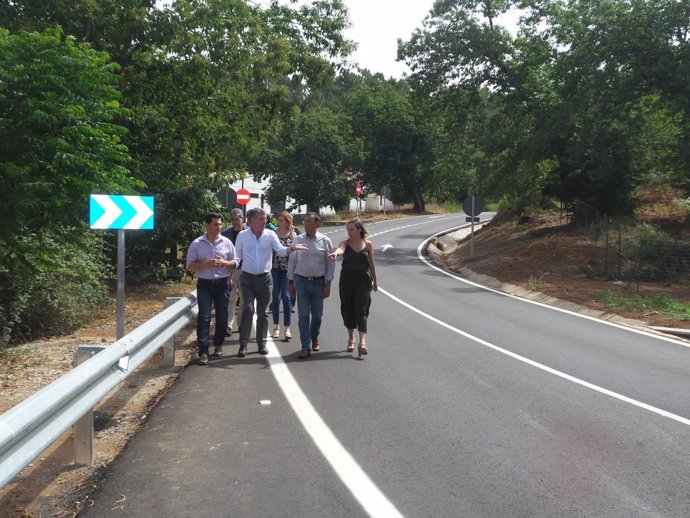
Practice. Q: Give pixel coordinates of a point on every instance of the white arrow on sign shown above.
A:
(112, 211)
(144, 212)
(386, 247)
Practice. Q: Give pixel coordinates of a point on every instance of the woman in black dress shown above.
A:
(357, 280)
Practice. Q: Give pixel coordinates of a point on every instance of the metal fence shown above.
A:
(629, 252)
(34, 424)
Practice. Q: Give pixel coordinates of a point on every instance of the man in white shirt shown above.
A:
(254, 247)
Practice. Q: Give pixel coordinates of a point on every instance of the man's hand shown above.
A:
(218, 261)
(326, 290)
(291, 289)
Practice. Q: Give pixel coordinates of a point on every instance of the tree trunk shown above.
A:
(418, 199)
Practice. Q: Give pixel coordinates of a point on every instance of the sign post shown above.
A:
(385, 192)
(358, 194)
(473, 208)
(113, 212)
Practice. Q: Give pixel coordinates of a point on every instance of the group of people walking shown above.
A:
(257, 265)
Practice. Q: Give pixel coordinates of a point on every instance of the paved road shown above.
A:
(470, 403)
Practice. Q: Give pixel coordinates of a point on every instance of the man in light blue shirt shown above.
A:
(310, 273)
(212, 258)
(254, 247)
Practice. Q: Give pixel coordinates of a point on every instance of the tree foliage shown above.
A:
(59, 141)
(313, 161)
(397, 151)
(559, 109)
(191, 92)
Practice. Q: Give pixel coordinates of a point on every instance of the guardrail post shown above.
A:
(169, 347)
(83, 428)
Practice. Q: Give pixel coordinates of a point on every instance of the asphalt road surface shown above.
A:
(471, 403)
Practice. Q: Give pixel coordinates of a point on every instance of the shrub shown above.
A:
(50, 281)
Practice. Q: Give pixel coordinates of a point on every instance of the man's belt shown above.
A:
(220, 280)
(310, 278)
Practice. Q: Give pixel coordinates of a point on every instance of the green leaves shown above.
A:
(394, 133)
(556, 110)
(313, 160)
(58, 139)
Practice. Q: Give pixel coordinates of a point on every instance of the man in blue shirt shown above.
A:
(310, 273)
(212, 258)
(254, 247)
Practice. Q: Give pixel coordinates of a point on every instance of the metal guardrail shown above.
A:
(34, 424)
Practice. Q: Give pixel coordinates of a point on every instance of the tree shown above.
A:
(397, 150)
(312, 161)
(460, 44)
(58, 144)
(208, 84)
(58, 138)
(554, 111)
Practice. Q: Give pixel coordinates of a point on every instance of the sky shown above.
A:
(377, 25)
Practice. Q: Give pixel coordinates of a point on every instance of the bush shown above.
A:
(656, 254)
(513, 207)
(50, 281)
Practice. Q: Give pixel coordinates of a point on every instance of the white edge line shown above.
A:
(541, 366)
(533, 363)
(353, 476)
(536, 303)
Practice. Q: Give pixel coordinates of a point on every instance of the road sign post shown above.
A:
(473, 207)
(385, 192)
(114, 212)
(120, 329)
(358, 194)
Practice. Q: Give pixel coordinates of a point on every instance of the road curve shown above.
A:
(470, 403)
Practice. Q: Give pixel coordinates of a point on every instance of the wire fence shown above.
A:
(629, 252)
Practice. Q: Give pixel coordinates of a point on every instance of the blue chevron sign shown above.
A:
(115, 212)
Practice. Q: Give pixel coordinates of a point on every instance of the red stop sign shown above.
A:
(243, 196)
(358, 189)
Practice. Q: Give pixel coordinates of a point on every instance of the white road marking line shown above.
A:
(421, 257)
(353, 476)
(437, 218)
(533, 363)
(541, 366)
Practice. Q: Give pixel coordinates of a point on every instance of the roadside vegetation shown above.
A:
(673, 309)
(637, 266)
(586, 105)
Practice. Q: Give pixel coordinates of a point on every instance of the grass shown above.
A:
(535, 282)
(659, 303)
